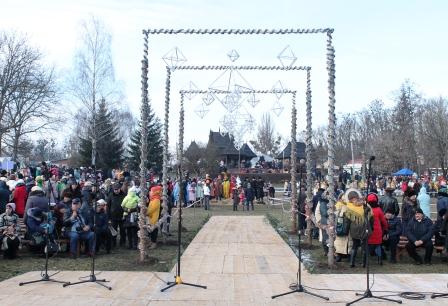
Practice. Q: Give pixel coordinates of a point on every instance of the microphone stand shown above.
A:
(299, 286)
(368, 294)
(45, 276)
(177, 279)
(92, 276)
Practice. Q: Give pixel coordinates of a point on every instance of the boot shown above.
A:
(353, 258)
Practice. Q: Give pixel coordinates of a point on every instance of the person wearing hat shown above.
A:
(37, 199)
(9, 239)
(388, 201)
(155, 195)
(419, 233)
(392, 237)
(73, 188)
(34, 221)
(408, 208)
(103, 235)
(442, 199)
(379, 228)
(115, 212)
(130, 215)
(78, 226)
(19, 196)
(356, 215)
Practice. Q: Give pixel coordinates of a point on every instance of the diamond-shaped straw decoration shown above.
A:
(201, 110)
(278, 109)
(252, 100)
(233, 55)
(287, 57)
(174, 58)
(278, 89)
(208, 98)
(190, 87)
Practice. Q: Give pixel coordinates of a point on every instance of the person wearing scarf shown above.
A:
(9, 238)
(356, 213)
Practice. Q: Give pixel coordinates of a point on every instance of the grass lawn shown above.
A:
(163, 258)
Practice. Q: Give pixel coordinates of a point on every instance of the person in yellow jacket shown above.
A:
(155, 195)
(226, 187)
(130, 217)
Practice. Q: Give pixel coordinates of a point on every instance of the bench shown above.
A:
(401, 247)
(22, 235)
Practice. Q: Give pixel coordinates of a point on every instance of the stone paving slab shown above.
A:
(241, 260)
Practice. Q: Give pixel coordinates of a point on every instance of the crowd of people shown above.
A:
(376, 219)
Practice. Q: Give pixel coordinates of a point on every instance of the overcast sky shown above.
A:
(378, 45)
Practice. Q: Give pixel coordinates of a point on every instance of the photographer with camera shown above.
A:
(78, 227)
(9, 238)
(103, 235)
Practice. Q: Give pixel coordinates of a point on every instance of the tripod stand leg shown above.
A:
(437, 295)
(56, 281)
(194, 285)
(386, 299)
(99, 282)
(75, 283)
(168, 287)
(316, 295)
(31, 282)
(357, 300)
(283, 294)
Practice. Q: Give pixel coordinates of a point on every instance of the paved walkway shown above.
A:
(241, 260)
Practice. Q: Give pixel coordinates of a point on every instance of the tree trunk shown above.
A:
(15, 147)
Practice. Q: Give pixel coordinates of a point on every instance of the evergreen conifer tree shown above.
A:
(155, 149)
(110, 147)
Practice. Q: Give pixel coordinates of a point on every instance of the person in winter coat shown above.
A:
(4, 196)
(78, 227)
(37, 199)
(86, 192)
(388, 201)
(249, 194)
(19, 197)
(408, 208)
(130, 216)
(235, 198)
(424, 201)
(154, 212)
(103, 235)
(115, 212)
(322, 220)
(9, 239)
(359, 217)
(379, 228)
(392, 237)
(442, 200)
(341, 242)
(419, 233)
(73, 188)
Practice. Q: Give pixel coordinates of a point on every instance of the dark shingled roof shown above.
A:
(225, 146)
(246, 151)
(192, 147)
(300, 149)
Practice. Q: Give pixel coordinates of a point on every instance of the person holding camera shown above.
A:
(9, 238)
(78, 227)
(103, 235)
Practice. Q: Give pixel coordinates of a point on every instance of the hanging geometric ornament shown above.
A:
(233, 55)
(231, 83)
(278, 89)
(287, 57)
(277, 108)
(252, 100)
(190, 87)
(208, 98)
(201, 110)
(174, 58)
(228, 123)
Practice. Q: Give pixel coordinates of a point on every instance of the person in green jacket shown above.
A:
(130, 217)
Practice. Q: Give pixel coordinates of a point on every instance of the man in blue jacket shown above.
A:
(419, 233)
(79, 226)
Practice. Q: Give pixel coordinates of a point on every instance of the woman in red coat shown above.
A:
(379, 226)
(19, 196)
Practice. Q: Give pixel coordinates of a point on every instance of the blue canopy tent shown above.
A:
(405, 172)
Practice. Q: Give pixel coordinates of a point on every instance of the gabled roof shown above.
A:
(300, 151)
(247, 152)
(223, 144)
(192, 147)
